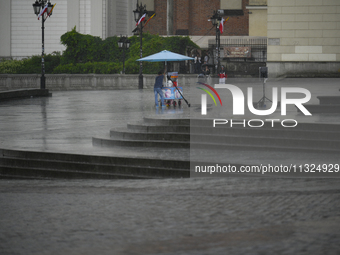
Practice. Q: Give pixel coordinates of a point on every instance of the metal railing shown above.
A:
(246, 49)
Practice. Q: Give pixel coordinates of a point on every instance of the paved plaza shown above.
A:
(240, 215)
(186, 216)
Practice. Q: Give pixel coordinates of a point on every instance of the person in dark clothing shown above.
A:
(158, 88)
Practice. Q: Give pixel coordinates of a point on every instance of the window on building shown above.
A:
(231, 4)
(150, 5)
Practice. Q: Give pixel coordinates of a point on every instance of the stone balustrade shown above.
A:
(55, 82)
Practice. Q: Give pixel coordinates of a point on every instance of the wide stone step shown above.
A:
(268, 142)
(108, 142)
(94, 159)
(39, 173)
(268, 125)
(322, 108)
(119, 170)
(28, 164)
(178, 133)
(163, 136)
(157, 128)
(289, 133)
(329, 100)
(264, 147)
(236, 143)
(321, 140)
(24, 93)
(167, 121)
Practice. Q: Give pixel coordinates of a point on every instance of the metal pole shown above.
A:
(216, 43)
(218, 50)
(124, 45)
(140, 84)
(42, 80)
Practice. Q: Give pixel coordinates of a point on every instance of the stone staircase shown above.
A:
(177, 133)
(24, 93)
(160, 135)
(46, 165)
(327, 104)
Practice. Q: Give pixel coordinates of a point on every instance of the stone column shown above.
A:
(170, 17)
(73, 14)
(5, 21)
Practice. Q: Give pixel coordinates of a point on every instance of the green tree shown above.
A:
(81, 48)
(91, 54)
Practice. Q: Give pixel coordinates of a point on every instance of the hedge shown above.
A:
(30, 65)
(89, 67)
(90, 54)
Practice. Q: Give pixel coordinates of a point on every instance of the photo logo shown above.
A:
(204, 97)
(239, 99)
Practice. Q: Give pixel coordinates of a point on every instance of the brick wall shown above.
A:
(200, 12)
(238, 26)
(158, 24)
(181, 17)
(194, 15)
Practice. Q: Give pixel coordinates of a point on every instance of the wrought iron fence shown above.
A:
(241, 49)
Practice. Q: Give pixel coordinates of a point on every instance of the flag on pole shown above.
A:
(226, 21)
(222, 25)
(141, 19)
(149, 19)
(51, 10)
(43, 11)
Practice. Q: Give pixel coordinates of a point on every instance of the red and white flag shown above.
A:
(222, 25)
(141, 19)
(43, 11)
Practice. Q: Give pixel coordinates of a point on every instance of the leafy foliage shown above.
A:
(86, 48)
(30, 65)
(91, 54)
(80, 48)
(89, 67)
(10, 66)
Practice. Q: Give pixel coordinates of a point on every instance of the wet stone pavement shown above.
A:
(187, 216)
(171, 216)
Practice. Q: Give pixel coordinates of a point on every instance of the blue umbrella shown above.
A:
(165, 55)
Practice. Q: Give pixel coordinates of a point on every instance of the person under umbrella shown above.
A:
(158, 88)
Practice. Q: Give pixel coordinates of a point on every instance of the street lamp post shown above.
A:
(42, 9)
(215, 20)
(123, 43)
(138, 15)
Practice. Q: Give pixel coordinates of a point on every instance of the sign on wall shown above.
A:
(237, 52)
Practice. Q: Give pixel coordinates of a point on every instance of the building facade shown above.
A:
(257, 10)
(301, 35)
(21, 31)
(304, 37)
(190, 17)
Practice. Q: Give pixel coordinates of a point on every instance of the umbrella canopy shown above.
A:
(165, 55)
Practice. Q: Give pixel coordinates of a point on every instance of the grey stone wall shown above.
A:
(303, 69)
(55, 82)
